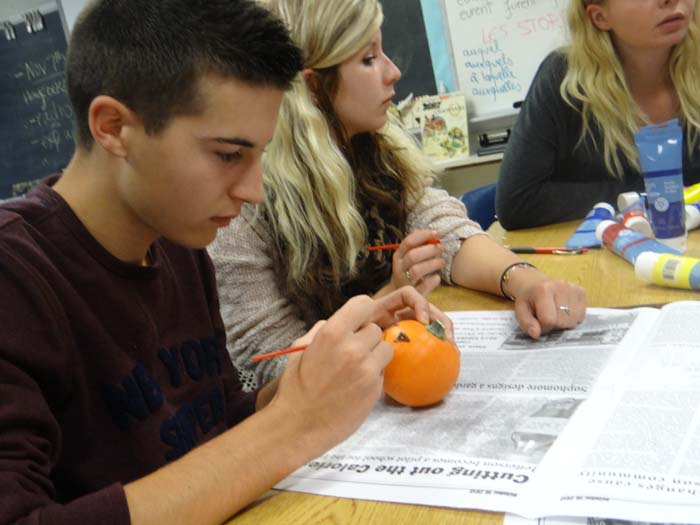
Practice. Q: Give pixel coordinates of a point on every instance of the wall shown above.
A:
(14, 9)
(71, 9)
(458, 180)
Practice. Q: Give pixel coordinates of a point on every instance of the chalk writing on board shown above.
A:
(527, 27)
(498, 44)
(474, 8)
(36, 120)
(47, 99)
(490, 71)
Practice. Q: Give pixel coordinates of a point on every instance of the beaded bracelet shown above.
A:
(505, 276)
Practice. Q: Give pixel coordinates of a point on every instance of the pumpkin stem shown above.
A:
(437, 329)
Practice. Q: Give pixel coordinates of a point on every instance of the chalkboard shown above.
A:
(405, 42)
(36, 120)
(497, 46)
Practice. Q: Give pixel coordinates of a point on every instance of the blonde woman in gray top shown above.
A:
(339, 177)
(629, 63)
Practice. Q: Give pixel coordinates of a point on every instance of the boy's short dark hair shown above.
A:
(149, 54)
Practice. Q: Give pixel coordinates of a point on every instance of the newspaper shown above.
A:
(512, 519)
(599, 421)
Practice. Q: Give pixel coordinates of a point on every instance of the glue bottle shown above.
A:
(584, 236)
(635, 218)
(670, 270)
(692, 216)
(627, 243)
(691, 194)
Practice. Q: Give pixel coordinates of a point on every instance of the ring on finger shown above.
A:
(408, 276)
(564, 309)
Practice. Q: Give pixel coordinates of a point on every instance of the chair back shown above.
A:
(481, 204)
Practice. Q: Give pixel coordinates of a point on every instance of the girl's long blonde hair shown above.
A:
(595, 83)
(310, 184)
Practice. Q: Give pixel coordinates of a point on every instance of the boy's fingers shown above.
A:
(308, 336)
(351, 316)
(405, 297)
(381, 355)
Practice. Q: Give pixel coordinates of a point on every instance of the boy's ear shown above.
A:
(108, 119)
(598, 16)
(311, 80)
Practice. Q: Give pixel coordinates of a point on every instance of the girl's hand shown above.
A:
(543, 304)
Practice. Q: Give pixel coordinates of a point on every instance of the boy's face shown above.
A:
(192, 177)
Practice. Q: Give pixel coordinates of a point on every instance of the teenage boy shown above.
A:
(118, 403)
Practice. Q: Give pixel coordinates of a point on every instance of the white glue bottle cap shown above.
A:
(602, 225)
(607, 207)
(642, 225)
(627, 199)
(644, 266)
(692, 216)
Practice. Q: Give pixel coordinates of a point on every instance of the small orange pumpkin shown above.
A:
(425, 365)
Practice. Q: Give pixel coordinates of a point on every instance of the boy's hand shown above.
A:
(309, 336)
(331, 387)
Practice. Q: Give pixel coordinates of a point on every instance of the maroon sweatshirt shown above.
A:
(108, 370)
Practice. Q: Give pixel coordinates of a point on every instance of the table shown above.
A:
(290, 508)
(609, 281)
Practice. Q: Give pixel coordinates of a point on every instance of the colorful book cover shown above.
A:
(444, 126)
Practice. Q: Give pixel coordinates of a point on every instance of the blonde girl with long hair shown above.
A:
(629, 63)
(340, 176)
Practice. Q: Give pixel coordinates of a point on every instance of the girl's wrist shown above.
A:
(507, 281)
